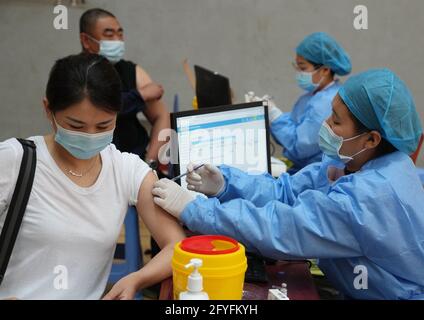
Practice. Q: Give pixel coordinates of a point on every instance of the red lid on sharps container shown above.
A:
(212, 245)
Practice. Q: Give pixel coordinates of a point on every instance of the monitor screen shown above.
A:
(233, 135)
(212, 89)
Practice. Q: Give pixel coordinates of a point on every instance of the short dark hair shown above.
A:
(80, 76)
(384, 147)
(89, 18)
(319, 65)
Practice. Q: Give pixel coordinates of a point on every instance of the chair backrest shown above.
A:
(133, 254)
(176, 106)
(130, 251)
(414, 156)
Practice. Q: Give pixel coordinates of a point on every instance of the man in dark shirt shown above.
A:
(101, 33)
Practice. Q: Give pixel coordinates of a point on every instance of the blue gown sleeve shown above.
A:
(260, 189)
(300, 140)
(298, 130)
(316, 226)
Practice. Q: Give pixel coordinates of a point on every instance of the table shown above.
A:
(295, 274)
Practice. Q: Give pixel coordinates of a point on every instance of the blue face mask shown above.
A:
(113, 50)
(330, 143)
(305, 82)
(82, 145)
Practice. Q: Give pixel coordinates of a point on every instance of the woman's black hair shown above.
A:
(80, 76)
(319, 65)
(384, 147)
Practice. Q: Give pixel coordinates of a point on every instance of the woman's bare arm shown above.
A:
(165, 230)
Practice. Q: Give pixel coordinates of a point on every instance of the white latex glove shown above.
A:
(273, 111)
(207, 180)
(251, 97)
(171, 197)
(248, 97)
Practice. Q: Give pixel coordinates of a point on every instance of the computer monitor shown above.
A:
(235, 135)
(212, 89)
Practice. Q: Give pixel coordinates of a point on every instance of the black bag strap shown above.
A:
(18, 204)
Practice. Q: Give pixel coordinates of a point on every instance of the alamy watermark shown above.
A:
(221, 145)
(60, 281)
(60, 22)
(360, 21)
(360, 282)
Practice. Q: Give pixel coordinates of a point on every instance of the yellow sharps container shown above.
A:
(224, 266)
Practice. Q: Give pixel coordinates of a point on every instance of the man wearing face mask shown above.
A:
(101, 33)
(318, 59)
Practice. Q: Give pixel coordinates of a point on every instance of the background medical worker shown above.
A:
(318, 59)
(360, 206)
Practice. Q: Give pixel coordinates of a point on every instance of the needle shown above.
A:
(184, 174)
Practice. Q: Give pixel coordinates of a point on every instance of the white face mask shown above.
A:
(305, 82)
(330, 143)
(80, 144)
(113, 50)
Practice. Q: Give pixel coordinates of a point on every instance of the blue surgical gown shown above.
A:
(370, 221)
(297, 131)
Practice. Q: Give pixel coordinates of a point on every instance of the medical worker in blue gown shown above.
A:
(361, 207)
(318, 59)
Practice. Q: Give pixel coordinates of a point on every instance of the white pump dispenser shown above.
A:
(194, 283)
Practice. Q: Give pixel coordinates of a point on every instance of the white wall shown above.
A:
(250, 41)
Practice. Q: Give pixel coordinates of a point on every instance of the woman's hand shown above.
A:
(124, 289)
(273, 111)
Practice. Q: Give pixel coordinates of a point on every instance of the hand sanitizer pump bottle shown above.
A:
(194, 283)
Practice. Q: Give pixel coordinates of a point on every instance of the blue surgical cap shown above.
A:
(381, 101)
(320, 48)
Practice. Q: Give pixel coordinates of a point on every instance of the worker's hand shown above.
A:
(251, 97)
(152, 91)
(207, 180)
(171, 197)
(273, 111)
(124, 289)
